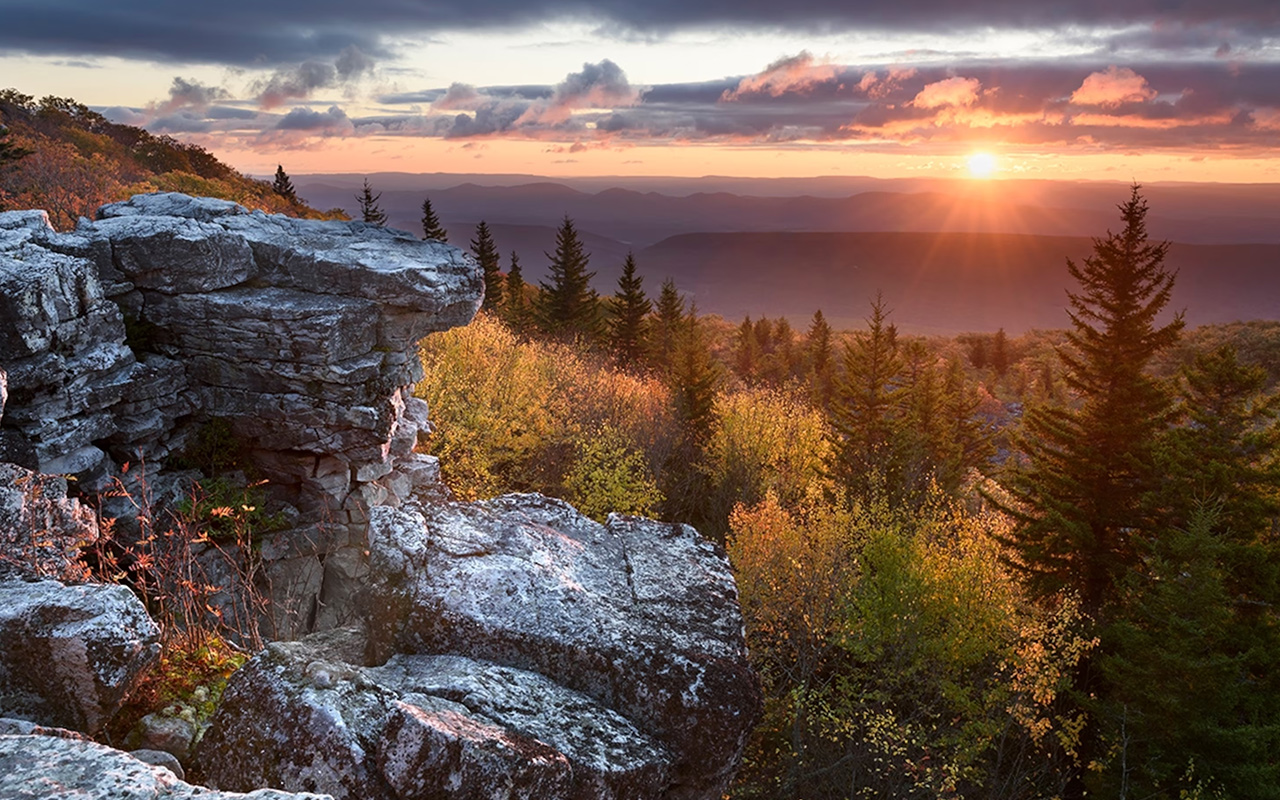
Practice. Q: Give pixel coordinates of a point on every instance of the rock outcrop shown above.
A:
(303, 717)
(41, 767)
(71, 653)
(616, 649)
(508, 648)
(127, 340)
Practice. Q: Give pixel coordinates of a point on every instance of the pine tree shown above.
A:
(629, 321)
(1080, 508)
(664, 333)
(568, 306)
(283, 186)
(746, 351)
(431, 227)
(694, 378)
(1000, 357)
(864, 407)
(486, 253)
(1083, 505)
(818, 352)
(516, 305)
(370, 211)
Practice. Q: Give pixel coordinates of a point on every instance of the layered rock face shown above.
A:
(126, 339)
(508, 648)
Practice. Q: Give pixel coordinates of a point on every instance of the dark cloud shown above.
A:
(305, 119)
(184, 93)
(254, 33)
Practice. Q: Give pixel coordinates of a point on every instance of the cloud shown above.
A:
(252, 33)
(191, 93)
(352, 63)
(299, 81)
(949, 92)
(1141, 105)
(798, 74)
(305, 119)
(1113, 88)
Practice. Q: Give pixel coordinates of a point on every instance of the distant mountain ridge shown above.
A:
(1189, 213)
(948, 257)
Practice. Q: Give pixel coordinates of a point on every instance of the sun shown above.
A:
(982, 165)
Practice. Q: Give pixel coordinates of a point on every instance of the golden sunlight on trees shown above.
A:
(898, 656)
(514, 415)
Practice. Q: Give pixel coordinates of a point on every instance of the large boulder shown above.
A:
(641, 616)
(71, 653)
(37, 767)
(302, 716)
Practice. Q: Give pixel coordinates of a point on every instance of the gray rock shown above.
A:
(166, 733)
(40, 528)
(160, 758)
(71, 653)
(301, 716)
(41, 767)
(639, 615)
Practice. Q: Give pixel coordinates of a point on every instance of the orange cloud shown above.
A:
(950, 92)
(797, 74)
(1112, 88)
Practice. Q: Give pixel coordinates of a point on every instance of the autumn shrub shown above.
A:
(516, 415)
(610, 474)
(898, 656)
(763, 440)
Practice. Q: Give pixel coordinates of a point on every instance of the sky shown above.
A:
(1147, 90)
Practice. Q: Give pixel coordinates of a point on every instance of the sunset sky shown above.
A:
(1150, 90)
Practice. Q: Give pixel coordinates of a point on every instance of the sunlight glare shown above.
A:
(982, 165)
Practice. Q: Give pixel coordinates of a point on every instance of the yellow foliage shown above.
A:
(766, 440)
(513, 415)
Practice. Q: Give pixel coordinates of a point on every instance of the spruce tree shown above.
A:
(486, 253)
(1081, 512)
(431, 227)
(370, 211)
(1084, 502)
(665, 330)
(283, 186)
(819, 352)
(694, 379)
(746, 351)
(516, 305)
(864, 407)
(568, 306)
(629, 321)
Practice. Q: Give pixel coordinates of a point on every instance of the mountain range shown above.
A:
(947, 256)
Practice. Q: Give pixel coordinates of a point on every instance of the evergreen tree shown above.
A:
(1083, 503)
(1000, 358)
(370, 211)
(1081, 513)
(818, 352)
(486, 253)
(568, 306)
(694, 378)
(746, 351)
(431, 227)
(283, 186)
(780, 365)
(516, 306)
(629, 321)
(665, 330)
(864, 407)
